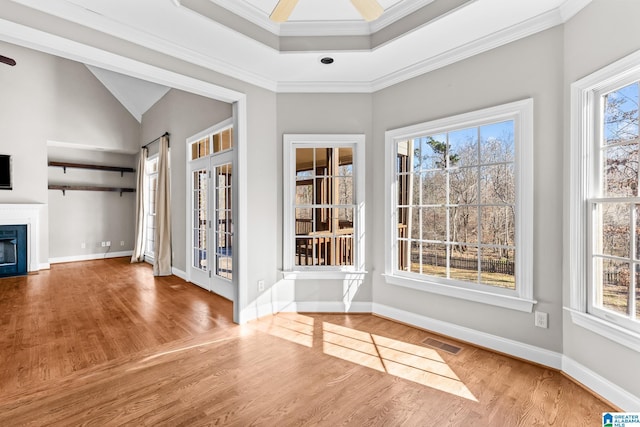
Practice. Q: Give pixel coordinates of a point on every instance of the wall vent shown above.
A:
(449, 348)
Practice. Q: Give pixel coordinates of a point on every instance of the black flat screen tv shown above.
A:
(5, 172)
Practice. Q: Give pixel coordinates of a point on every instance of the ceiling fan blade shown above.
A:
(7, 61)
(369, 9)
(282, 10)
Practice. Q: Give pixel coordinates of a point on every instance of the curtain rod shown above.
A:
(149, 143)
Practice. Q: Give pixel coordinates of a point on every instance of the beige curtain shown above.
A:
(141, 190)
(162, 237)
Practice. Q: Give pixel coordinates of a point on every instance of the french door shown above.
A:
(212, 224)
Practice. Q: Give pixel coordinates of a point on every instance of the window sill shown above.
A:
(323, 275)
(606, 329)
(490, 298)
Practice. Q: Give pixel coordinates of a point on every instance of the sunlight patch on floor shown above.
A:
(404, 360)
(293, 327)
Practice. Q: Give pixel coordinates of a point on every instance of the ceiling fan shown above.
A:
(369, 9)
(7, 60)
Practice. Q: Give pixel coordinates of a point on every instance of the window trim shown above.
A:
(585, 110)
(290, 141)
(520, 299)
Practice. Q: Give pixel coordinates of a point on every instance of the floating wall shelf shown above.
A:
(65, 165)
(64, 188)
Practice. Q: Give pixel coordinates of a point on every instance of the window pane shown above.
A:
(434, 260)
(344, 189)
(498, 267)
(496, 143)
(304, 162)
(463, 147)
(345, 219)
(464, 224)
(620, 171)
(621, 115)
(434, 188)
(434, 223)
(463, 186)
(414, 226)
(464, 264)
(321, 156)
(614, 284)
(432, 151)
(345, 159)
(497, 184)
(498, 225)
(615, 229)
(415, 257)
(304, 192)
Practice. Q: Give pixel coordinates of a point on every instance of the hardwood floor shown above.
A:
(104, 343)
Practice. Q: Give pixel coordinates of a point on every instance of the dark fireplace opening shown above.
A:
(13, 250)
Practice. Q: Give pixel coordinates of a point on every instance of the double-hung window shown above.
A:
(605, 202)
(323, 204)
(459, 200)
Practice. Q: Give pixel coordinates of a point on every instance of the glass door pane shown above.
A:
(199, 224)
(223, 232)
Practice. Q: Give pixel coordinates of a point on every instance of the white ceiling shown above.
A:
(173, 29)
(136, 95)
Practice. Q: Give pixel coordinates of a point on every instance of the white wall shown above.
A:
(602, 33)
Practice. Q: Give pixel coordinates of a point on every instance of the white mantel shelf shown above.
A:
(29, 214)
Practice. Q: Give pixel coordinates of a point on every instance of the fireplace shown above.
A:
(26, 216)
(13, 250)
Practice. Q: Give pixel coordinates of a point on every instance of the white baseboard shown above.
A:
(44, 266)
(325, 307)
(600, 385)
(181, 274)
(88, 257)
(515, 348)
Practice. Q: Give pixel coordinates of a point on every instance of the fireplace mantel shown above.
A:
(29, 214)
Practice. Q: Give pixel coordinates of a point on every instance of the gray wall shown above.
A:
(333, 114)
(602, 33)
(86, 218)
(181, 114)
(46, 98)
(531, 67)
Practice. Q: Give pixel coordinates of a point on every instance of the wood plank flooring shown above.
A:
(105, 343)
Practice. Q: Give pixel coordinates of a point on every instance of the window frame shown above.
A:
(586, 114)
(521, 299)
(290, 143)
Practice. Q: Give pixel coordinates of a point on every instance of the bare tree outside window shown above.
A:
(456, 201)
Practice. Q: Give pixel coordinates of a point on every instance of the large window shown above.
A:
(460, 204)
(323, 202)
(605, 202)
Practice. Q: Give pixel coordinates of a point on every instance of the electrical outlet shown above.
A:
(102, 244)
(108, 243)
(83, 245)
(121, 242)
(542, 319)
(260, 285)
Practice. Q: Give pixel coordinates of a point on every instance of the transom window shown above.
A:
(215, 143)
(323, 202)
(461, 204)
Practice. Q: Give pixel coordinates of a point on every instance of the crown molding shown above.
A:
(532, 26)
(571, 7)
(70, 11)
